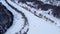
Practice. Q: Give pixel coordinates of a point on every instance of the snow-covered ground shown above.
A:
(36, 25)
(44, 13)
(53, 2)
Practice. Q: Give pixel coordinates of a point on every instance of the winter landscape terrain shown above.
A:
(31, 17)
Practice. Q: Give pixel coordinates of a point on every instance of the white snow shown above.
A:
(44, 13)
(18, 21)
(36, 25)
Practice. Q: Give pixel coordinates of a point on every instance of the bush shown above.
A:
(56, 11)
